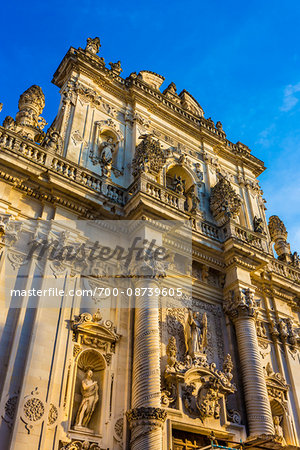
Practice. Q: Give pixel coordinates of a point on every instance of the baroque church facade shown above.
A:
(215, 367)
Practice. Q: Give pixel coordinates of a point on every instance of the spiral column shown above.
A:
(241, 308)
(146, 418)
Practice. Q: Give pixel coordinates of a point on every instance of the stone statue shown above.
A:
(9, 123)
(278, 429)
(295, 260)
(107, 149)
(93, 45)
(89, 392)
(258, 225)
(53, 141)
(178, 184)
(116, 67)
(196, 334)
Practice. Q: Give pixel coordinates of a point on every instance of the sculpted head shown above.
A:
(89, 374)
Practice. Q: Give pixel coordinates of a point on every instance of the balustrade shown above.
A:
(35, 153)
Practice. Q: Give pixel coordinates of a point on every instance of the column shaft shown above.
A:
(255, 389)
(146, 418)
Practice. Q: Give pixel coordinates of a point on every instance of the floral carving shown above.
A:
(225, 203)
(52, 414)
(118, 428)
(149, 156)
(144, 413)
(34, 409)
(81, 445)
(10, 407)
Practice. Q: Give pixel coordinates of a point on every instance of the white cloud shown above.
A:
(289, 98)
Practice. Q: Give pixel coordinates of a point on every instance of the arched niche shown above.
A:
(105, 147)
(278, 397)
(94, 341)
(87, 406)
(180, 180)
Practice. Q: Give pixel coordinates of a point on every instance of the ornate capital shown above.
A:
(240, 304)
(144, 415)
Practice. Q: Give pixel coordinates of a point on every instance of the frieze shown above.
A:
(80, 445)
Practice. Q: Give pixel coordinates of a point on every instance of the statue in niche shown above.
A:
(196, 334)
(89, 392)
(106, 151)
(178, 184)
(278, 430)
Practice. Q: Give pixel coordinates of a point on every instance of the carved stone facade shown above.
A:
(99, 362)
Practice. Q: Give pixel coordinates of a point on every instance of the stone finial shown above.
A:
(116, 67)
(31, 105)
(278, 235)
(93, 45)
(225, 203)
(277, 229)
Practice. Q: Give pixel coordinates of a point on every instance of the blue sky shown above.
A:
(240, 60)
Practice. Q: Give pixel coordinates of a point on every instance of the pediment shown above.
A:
(94, 327)
(190, 104)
